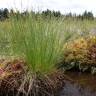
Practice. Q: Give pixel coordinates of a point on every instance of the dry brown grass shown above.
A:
(18, 81)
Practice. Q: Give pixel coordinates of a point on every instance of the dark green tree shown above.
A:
(56, 13)
(6, 13)
(47, 12)
(88, 15)
(69, 15)
(1, 13)
(12, 13)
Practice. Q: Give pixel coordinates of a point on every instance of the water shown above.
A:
(77, 84)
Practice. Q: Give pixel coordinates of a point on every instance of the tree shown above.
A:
(69, 15)
(51, 13)
(12, 12)
(47, 12)
(88, 15)
(1, 13)
(5, 13)
(56, 13)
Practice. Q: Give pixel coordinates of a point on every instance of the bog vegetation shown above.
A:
(37, 46)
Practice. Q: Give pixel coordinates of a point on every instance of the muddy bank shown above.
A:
(79, 84)
(75, 90)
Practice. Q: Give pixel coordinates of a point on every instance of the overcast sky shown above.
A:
(65, 6)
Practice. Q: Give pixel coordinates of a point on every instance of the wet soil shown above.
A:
(79, 84)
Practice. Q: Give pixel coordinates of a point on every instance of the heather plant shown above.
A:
(81, 54)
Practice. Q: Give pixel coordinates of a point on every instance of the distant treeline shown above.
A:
(5, 14)
(85, 15)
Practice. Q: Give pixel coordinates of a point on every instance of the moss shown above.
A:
(82, 52)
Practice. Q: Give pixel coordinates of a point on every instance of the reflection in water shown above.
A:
(79, 84)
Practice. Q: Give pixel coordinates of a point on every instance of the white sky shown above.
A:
(65, 6)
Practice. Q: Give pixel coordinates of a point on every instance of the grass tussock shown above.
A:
(40, 44)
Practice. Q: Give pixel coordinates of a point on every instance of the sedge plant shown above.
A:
(38, 41)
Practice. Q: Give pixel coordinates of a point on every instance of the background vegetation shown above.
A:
(5, 14)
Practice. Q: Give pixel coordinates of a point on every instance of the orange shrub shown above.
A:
(82, 50)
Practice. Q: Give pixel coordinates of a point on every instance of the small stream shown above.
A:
(79, 84)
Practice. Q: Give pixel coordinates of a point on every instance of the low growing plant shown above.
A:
(81, 54)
